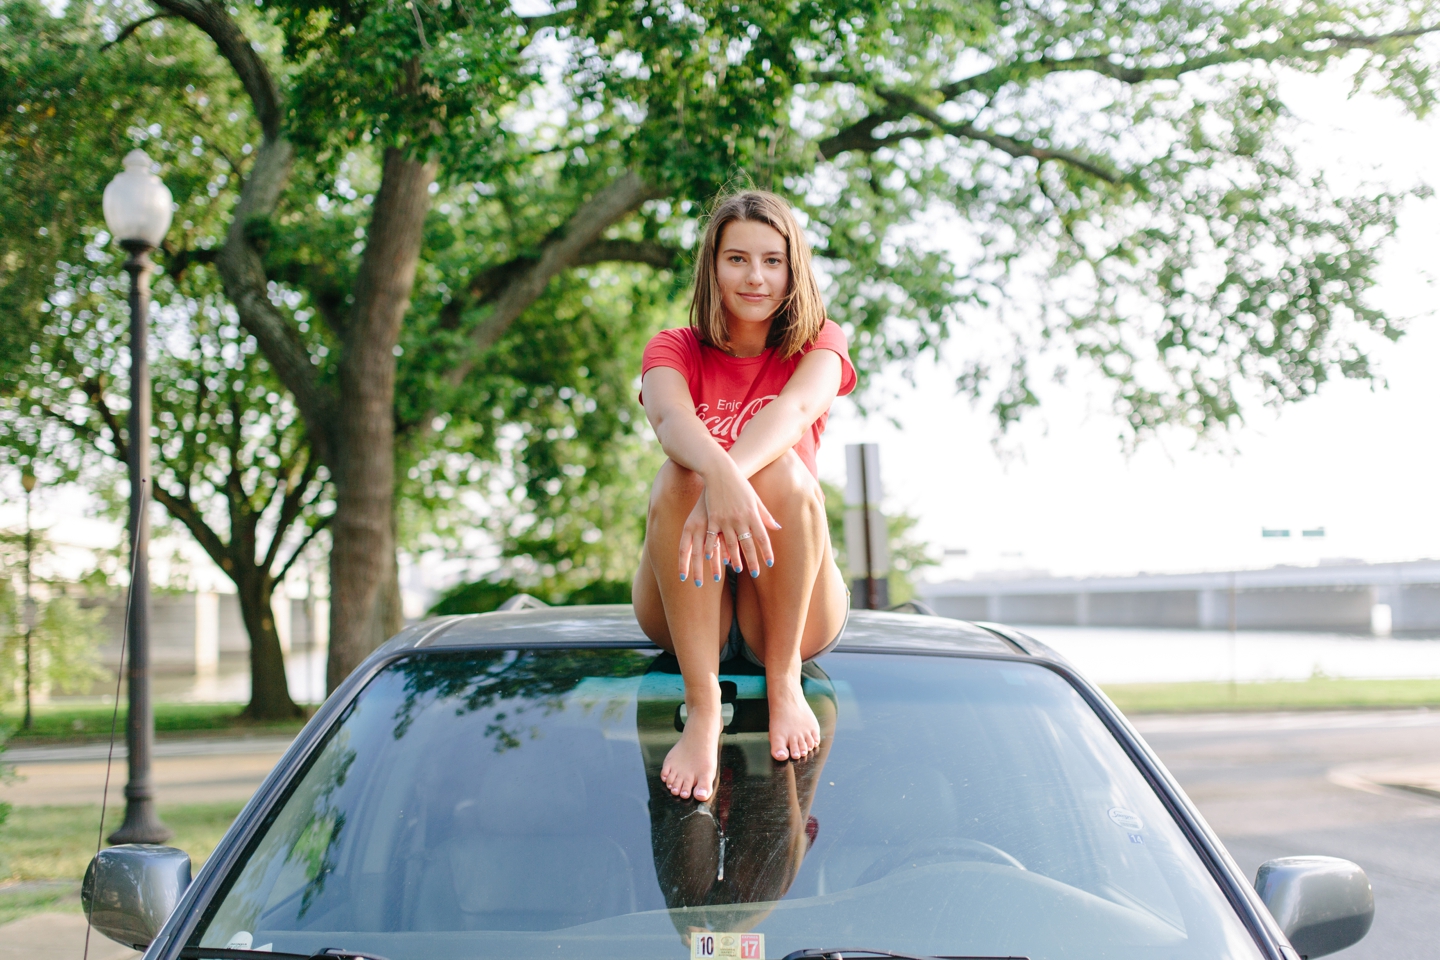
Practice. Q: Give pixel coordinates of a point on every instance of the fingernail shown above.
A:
(754, 572)
(717, 578)
(707, 556)
(699, 582)
(682, 578)
(769, 563)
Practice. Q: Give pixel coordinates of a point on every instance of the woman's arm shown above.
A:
(729, 506)
(671, 413)
(780, 425)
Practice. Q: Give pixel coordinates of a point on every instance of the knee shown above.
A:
(673, 484)
(787, 479)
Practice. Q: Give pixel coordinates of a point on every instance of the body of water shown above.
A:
(1117, 655)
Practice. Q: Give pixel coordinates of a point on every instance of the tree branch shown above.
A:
(182, 508)
(178, 261)
(540, 21)
(96, 393)
(319, 525)
(661, 256)
(124, 35)
(490, 283)
(859, 135)
(997, 77)
(215, 21)
(290, 507)
(239, 263)
(529, 279)
(1015, 148)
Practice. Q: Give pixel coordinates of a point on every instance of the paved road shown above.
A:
(1364, 786)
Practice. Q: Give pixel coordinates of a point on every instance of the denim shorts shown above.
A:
(735, 645)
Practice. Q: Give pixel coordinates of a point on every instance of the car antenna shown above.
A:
(115, 713)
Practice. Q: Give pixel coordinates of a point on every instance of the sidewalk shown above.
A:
(56, 936)
(196, 770)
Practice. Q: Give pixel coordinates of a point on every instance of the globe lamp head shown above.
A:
(137, 204)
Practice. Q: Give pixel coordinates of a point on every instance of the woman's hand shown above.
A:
(699, 557)
(729, 524)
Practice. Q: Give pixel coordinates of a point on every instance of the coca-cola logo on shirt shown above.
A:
(730, 419)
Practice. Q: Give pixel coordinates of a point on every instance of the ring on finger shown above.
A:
(712, 533)
(744, 536)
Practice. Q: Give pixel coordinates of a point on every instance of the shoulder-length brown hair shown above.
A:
(801, 313)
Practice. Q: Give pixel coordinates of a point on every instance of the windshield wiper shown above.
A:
(233, 953)
(840, 953)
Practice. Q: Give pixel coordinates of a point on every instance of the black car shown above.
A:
(488, 787)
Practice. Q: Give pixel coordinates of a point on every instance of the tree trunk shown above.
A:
(389, 615)
(363, 534)
(269, 690)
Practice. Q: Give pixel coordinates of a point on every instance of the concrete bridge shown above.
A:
(1350, 597)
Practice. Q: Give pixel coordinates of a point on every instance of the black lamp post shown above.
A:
(137, 210)
(27, 480)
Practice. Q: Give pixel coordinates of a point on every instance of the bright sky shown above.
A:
(1362, 464)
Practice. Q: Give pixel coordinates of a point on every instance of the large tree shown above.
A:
(233, 467)
(1123, 165)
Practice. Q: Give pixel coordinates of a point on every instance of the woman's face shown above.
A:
(753, 270)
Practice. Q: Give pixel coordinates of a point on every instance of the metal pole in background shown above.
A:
(27, 480)
(142, 824)
(867, 536)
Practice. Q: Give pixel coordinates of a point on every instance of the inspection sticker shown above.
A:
(705, 945)
(1126, 819)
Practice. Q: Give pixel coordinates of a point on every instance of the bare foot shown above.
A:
(794, 731)
(691, 764)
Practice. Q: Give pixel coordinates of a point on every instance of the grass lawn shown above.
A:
(62, 724)
(56, 842)
(1314, 694)
(22, 900)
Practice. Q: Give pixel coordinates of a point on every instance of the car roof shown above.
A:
(614, 625)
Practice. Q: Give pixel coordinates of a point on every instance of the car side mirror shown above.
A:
(1322, 903)
(130, 890)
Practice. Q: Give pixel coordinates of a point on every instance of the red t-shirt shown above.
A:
(728, 391)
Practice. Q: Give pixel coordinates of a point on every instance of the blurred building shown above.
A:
(201, 633)
(1348, 596)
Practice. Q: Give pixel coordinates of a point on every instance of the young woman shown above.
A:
(739, 401)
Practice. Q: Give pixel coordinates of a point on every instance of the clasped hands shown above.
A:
(728, 525)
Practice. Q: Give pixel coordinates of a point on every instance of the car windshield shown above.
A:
(507, 804)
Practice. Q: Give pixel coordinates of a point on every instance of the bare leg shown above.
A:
(687, 621)
(793, 609)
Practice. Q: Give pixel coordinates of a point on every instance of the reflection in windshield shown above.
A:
(477, 681)
(744, 847)
(505, 804)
